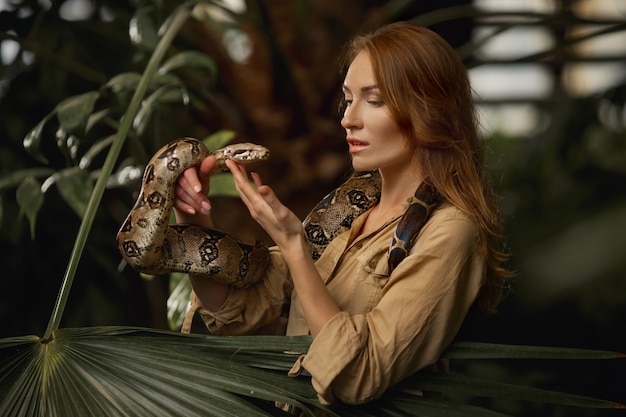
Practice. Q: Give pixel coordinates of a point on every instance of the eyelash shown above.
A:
(344, 103)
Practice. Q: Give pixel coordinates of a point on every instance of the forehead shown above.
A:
(360, 72)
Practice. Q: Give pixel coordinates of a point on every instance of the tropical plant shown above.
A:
(131, 371)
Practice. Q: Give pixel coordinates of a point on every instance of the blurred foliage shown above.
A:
(269, 74)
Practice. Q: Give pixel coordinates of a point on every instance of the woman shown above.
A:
(408, 114)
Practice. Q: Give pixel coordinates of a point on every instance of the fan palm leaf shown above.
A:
(127, 371)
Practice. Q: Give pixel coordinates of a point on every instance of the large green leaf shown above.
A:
(125, 371)
(138, 372)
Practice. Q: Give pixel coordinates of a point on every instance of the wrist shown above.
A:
(295, 249)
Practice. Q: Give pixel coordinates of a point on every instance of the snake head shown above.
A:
(246, 152)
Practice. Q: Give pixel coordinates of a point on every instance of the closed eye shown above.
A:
(343, 104)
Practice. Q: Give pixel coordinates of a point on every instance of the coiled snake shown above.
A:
(150, 244)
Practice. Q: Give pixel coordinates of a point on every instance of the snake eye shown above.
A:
(241, 154)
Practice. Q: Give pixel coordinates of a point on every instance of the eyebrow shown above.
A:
(364, 89)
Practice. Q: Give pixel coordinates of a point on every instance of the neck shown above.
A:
(397, 188)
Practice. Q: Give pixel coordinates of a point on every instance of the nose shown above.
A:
(351, 118)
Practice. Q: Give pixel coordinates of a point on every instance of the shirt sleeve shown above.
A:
(247, 310)
(356, 358)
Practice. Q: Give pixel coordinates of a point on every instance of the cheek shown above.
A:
(391, 131)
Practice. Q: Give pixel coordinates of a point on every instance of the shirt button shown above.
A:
(372, 264)
(359, 245)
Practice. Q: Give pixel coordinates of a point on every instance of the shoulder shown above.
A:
(450, 227)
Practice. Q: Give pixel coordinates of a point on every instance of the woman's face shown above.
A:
(374, 138)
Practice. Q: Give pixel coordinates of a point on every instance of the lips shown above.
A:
(356, 145)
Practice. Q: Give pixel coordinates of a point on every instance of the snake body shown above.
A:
(150, 244)
(335, 213)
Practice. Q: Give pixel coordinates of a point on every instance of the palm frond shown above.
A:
(128, 371)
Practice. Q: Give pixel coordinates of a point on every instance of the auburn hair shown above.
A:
(427, 90)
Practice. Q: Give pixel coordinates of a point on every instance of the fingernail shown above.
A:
(206, 207)
(197, 188)
(191, 211)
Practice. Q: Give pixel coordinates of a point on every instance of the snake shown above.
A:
(335, 213)
(150, 244)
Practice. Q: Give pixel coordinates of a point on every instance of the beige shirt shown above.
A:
(391, 325)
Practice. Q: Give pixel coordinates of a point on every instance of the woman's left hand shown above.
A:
(287, 231)
(279, 222)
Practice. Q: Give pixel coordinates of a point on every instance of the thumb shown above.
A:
(206, 166)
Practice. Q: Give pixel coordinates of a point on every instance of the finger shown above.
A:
(184, 191)
(257, 179)
(240, 176)
(184, 207)
(205, 168)
(191, 177)
(192, 199)
(247, 192)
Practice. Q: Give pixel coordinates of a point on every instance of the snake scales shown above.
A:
(150, 244)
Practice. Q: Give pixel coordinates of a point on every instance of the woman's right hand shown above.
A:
(191, 204)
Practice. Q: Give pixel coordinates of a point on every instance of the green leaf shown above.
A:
(75, 187)
(219, 139)
(142, 29)
(223, 185)
(114, 371)
(12, 179)
(164, 94)
(124, 82)
(194, 59)
(97, 117)
(32, 140)
(95, 150)
(178, 300)
(130, 80)
(74, 112)
(128, 371)
(30, 199)
(449, 383)
(477, 350)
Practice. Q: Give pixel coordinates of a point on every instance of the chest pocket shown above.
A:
(374, 262)
(375, 274)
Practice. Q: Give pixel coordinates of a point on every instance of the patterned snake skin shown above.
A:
(150, 244)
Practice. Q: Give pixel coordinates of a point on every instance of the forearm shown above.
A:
(247, 310)
(317, 304)
(210, 294)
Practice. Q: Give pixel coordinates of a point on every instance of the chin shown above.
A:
(360, 166)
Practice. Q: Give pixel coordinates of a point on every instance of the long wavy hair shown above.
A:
(426, 87)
